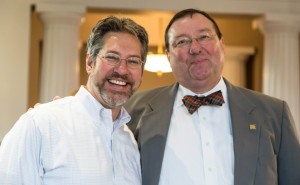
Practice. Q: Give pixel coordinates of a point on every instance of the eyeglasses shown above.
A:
(115, 60)
(184, 42)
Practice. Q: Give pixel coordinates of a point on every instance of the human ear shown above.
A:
(89, 64)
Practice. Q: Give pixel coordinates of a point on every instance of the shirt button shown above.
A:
(204, 118)
(207, 143)
(210, 169)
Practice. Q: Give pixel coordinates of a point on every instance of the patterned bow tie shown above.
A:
(192, 103)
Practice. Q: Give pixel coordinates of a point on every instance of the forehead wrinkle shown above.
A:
(194, 33)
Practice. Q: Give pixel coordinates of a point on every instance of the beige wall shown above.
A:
(14, 41)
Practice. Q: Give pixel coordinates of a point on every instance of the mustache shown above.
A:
(116, 75)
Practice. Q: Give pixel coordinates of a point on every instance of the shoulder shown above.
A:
(250, 94)
(55, 105)
(51, 111)
(151, 94)
(257, 103)
(258, 97)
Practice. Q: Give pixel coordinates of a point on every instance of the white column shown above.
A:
(235, 65)
(281, 59)
(60, 55)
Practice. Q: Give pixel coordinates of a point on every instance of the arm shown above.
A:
(20, 154)
(289, 153)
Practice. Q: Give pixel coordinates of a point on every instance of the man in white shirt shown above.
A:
(83, 139)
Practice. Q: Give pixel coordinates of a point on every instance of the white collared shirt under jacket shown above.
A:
(199, 148)
(71, 141)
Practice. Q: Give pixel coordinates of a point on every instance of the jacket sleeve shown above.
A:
(289, 151)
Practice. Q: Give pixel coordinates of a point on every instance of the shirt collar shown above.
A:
(95, 109)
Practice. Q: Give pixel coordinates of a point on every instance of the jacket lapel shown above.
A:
(246, 131)
(153, 133)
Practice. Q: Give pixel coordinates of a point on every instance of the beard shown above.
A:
(113, 98)
(117, 99)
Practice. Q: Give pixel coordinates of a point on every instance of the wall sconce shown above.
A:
(158, 63)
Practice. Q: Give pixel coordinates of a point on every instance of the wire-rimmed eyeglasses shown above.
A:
(115, 60)
(184, 41)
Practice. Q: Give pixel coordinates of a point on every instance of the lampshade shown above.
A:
(158, 63)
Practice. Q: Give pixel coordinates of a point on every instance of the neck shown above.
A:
(115, 110)
(203, 86)
(115, 113)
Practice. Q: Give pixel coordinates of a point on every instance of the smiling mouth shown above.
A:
(118, 82)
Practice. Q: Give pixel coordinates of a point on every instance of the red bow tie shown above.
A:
(192, 103)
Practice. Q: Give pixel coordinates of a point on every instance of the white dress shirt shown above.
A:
(199, 148)
(71, 141)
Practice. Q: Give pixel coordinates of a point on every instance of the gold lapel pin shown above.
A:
(252, 126)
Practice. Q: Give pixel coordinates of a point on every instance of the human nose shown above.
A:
(195, 46)
(122, 67)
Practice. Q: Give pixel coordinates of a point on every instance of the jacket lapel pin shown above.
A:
(252, 126)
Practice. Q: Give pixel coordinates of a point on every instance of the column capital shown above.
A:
(59, 13)
(278, 22)
(60, 8)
